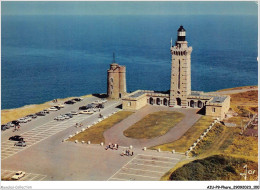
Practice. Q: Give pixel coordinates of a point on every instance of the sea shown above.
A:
(49, 57)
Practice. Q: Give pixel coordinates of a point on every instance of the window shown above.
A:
(213, 109)
(111, 79)
(129, 104)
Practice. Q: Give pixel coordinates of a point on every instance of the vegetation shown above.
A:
(182, 144)
(95, 133)
(238, 88)
(154, 125)
(223, 143)
(14, 114)
(217, 167)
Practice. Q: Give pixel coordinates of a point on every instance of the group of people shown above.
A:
(79, 125)
(127, 153)
(55, 101)
(112, 146)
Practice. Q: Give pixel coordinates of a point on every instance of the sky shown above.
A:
(129, 8)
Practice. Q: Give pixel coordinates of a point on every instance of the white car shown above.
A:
(59, 118)
(24, 120)
(61, 105)
(86, 112)
(18, 175)
(65, 117)
(53, 109)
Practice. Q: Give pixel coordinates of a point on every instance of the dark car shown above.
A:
(78, 99)
(16, 138)
(100, 106)
(6, 126)
(15, 122)
(69, 115)
(41, 113)
(83, 108)
(70, 102)
(32, 116)
(58, 107)
(3, 127)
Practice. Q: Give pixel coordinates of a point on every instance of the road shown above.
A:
(47, 158)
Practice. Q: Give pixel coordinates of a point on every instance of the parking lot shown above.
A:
(7, 174)
(145, 168)
(41, 133)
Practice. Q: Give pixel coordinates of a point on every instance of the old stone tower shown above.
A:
(116, 81)
(180, 71)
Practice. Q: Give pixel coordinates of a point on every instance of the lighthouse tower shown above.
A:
(180, 71)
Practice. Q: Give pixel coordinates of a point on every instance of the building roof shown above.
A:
(181, 29)
(218, 99)
(137, 94)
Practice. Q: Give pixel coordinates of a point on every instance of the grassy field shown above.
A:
(14, 114)
(225, 141)
(238, 88)
(95, 133)
(182, 144)
(154, 125)
(217, 167)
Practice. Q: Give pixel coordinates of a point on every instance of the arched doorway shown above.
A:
(158, 101)
(192, 103)
(178, 100)
(199, 104)
(151, 101)
(165, 101)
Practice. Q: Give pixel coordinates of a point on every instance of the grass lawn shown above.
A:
(182, 144)
(95, 133)
(154, 125)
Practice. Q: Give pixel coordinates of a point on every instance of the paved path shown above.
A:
(115, 134)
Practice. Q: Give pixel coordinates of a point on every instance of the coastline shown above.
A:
(8, 115)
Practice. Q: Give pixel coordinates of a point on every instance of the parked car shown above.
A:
(61, 105)
(15, 122)
(24, 120)
(41, 113)
(83, 108)
(53, 109)
(33, 116)
(78, 99)
(69, 115)
(86, 112)
(70, 102)
(18, 175)
(20, 143)
(59, 118)
(100, 106)
(3, 127)
(10, 124)
(74, 113)
(45, 111)
(16, 138)
(57, 107)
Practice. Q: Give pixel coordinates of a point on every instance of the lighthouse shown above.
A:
(180, 86)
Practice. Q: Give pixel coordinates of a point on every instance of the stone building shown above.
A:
(180, 94)
(180, 71)
(116, 82)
